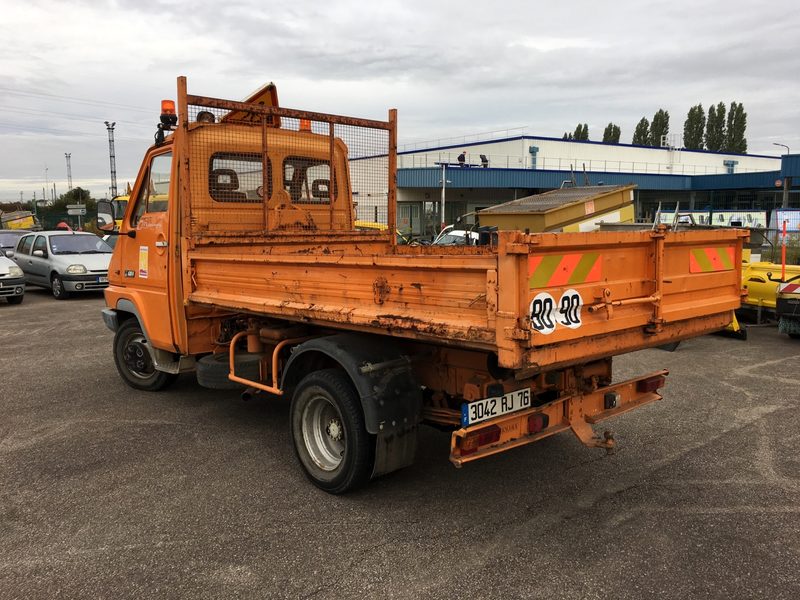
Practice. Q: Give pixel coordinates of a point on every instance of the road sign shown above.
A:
(78, 210)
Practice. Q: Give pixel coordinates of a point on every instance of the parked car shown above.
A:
(65, 262)
(9, 239)
(12, 281)
(456, 237)
(111, 240)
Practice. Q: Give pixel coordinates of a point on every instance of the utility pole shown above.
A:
(111, 157)
(69, 170)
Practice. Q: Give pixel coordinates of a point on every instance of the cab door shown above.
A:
(144, 256)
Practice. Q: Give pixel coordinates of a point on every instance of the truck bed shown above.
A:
(538, 300)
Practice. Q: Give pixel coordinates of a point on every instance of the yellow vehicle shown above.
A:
(761, 281)
(240, 257)
(120, 204)
(21, 219)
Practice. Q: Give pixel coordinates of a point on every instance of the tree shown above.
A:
(567, 136)
(642, 133)
(611, 134)
(581, 133)
(659, 127)
(694, 127)
(76, 195)
(715, 127)
(734, 134)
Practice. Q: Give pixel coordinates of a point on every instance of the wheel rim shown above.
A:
(56, 286)
(323, 433)
(137, 358)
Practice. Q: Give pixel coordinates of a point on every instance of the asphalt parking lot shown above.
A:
(106, 492)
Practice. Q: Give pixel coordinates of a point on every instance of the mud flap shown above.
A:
(394, 450)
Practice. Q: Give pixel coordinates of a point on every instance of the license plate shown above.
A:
(102, 280)
(489, 408)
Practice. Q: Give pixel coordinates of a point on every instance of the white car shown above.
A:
(64, 261)
(12, 281)
(456, 237)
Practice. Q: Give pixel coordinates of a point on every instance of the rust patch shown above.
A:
(380, 289)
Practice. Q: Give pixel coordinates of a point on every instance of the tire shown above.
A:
(15, 299)
(330, 439)
(212, 370)
(57, 287)
(134, 362)
(795, 336)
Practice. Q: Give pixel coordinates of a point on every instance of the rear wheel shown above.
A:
(134, 361)
(57, 286)
(330, 439)
(15, 299)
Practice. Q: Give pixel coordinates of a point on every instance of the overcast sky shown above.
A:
(450, 68)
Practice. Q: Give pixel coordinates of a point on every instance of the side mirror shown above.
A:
(9, 254)
(39, 253)
(105, 216)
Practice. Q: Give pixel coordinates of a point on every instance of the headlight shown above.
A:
(15, 272)
(76, 269)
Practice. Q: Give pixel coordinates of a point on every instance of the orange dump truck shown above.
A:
(239, 259)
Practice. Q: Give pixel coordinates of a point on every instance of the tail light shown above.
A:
(651, 384)
(537, 422)
(480, 437)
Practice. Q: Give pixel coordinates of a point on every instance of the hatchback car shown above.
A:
(12, 281)
(65, 262)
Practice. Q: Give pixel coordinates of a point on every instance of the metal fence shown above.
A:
(268, 170)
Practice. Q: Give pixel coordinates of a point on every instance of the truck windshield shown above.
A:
(78, 244)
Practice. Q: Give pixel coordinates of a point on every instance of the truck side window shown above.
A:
(24, 246)
(308, 180)
(238, 177)
(154, 191)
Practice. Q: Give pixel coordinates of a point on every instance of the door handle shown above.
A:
(161, 244)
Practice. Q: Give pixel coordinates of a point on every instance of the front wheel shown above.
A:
(134, 361)
(57, 285)
(328, 431)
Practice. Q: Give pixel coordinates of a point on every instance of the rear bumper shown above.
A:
(578, 413)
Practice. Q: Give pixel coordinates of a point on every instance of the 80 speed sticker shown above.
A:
(546, 313)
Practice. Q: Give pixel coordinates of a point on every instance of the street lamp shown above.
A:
(444, 182)
(112, 158)
(782, 145)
